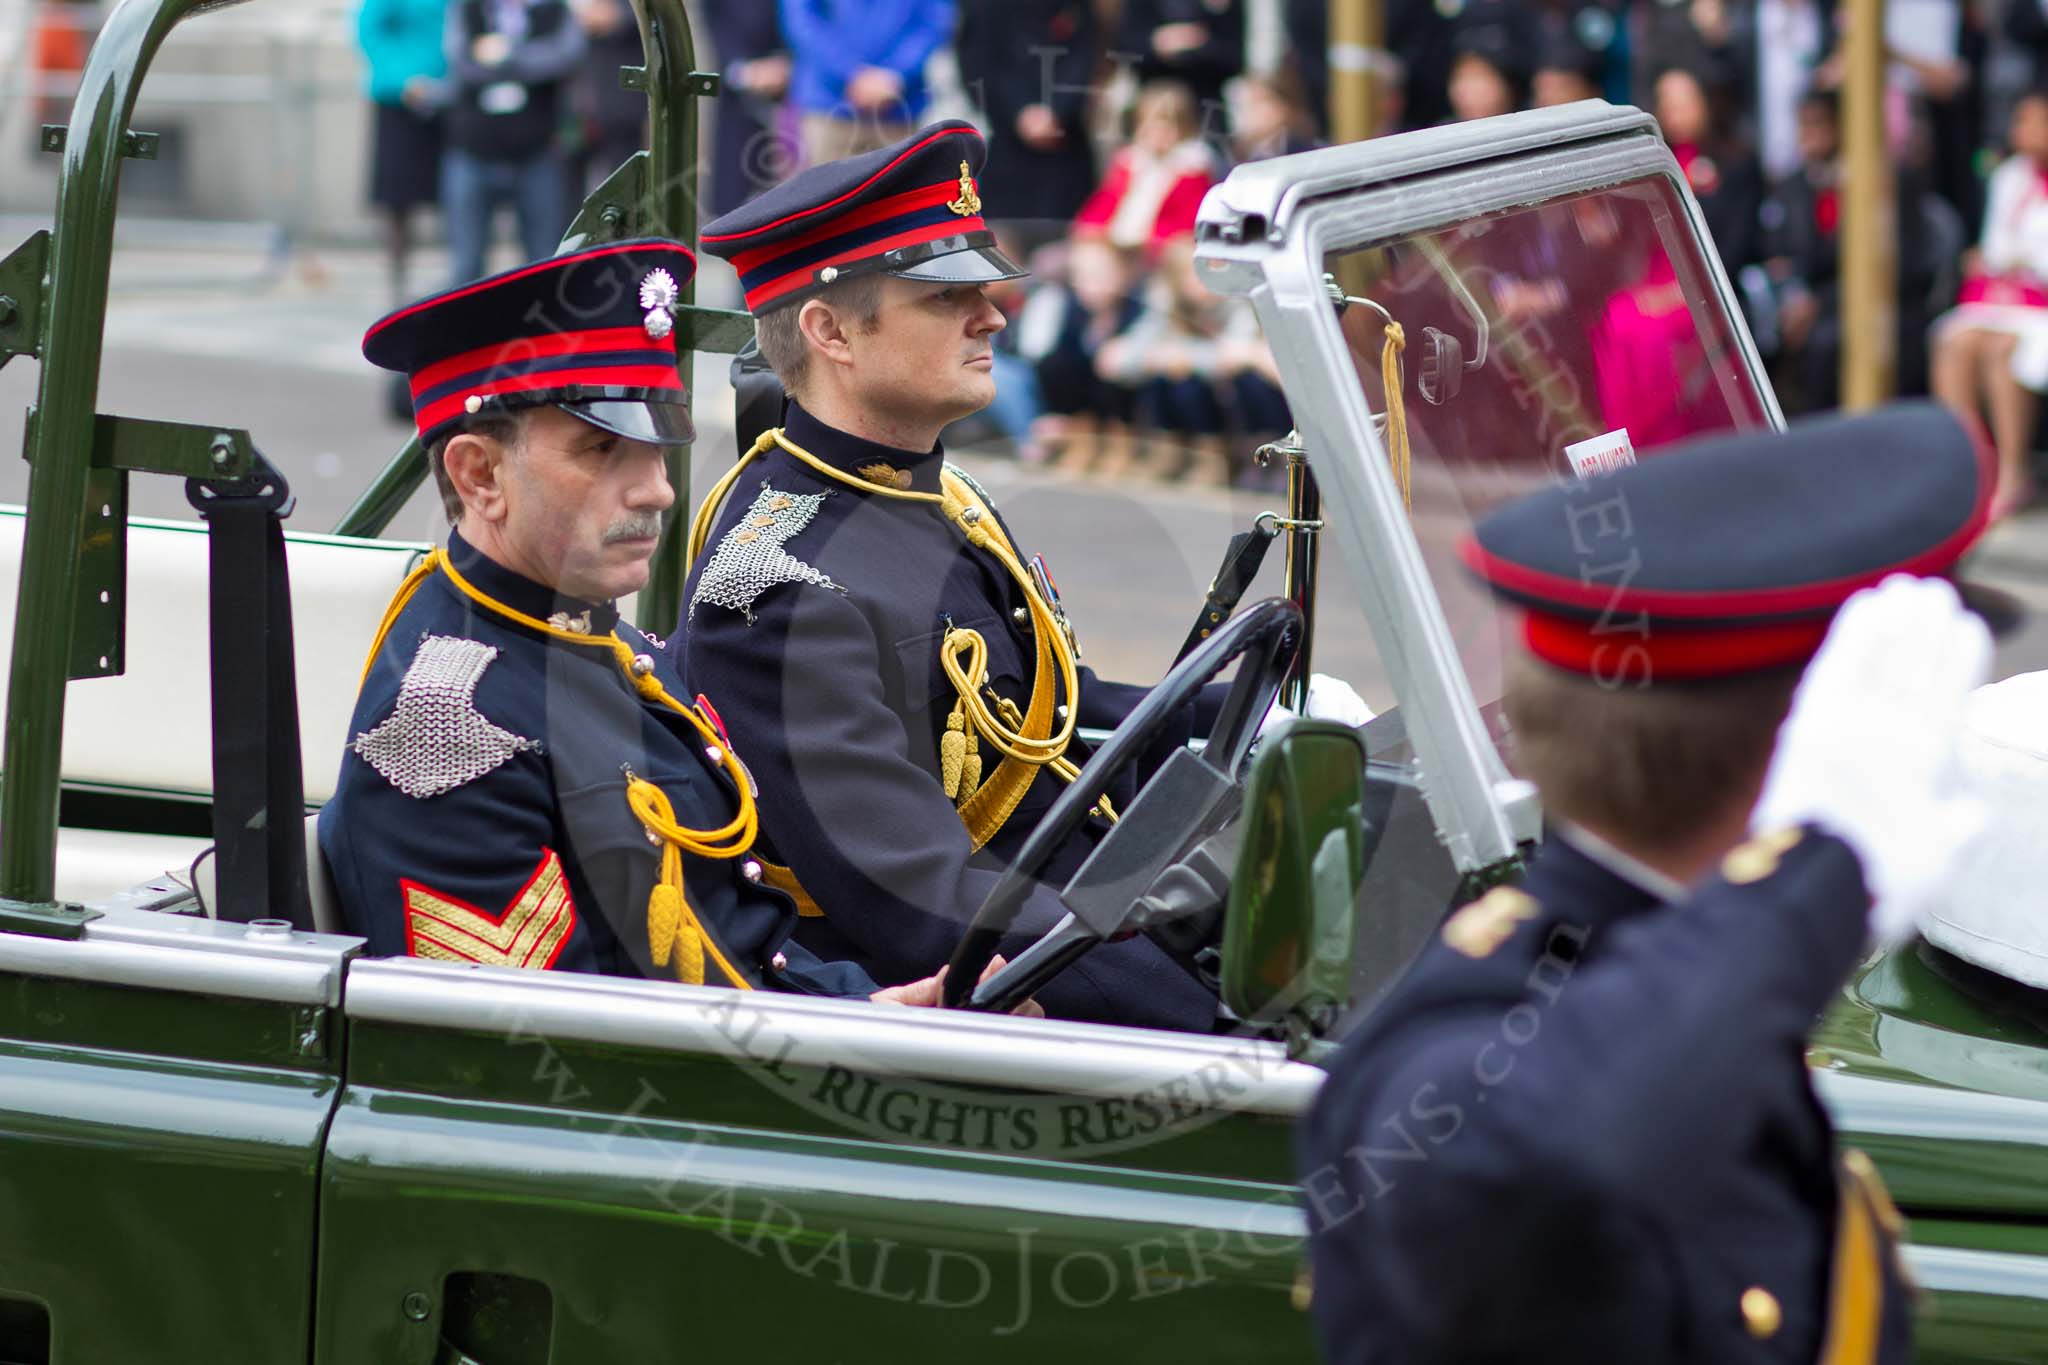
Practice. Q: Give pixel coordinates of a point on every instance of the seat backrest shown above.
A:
(151, 728)
(320, 892)
(320, 884)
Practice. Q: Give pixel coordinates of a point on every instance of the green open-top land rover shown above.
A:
(228, 1135)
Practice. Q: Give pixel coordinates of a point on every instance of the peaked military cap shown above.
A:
(910, 209)
(592, 333)
(1730, 554)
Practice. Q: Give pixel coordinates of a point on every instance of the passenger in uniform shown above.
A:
(526, 782)
(898, 671)
(1581, 1129)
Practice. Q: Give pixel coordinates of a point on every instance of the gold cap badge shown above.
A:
(969, 202)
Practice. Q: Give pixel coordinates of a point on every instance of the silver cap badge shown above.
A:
(659, 296)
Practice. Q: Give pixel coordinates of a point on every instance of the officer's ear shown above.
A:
(476, 471)
(825, 330)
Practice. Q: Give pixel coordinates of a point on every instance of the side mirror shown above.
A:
(1443, 366)
(1288, 931)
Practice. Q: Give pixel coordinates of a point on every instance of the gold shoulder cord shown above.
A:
(1397, 414)
(1867, 1229)
(673, 929)
(1026, 740)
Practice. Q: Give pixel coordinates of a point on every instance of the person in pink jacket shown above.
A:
(1155, 184)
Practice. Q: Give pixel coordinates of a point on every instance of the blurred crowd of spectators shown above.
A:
(1108, 120)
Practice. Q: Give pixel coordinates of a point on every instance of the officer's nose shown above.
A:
(988, 319)
(651, 489)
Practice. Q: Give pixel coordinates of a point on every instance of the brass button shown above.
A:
(1021, 615)
(715, 754)
(473, 403)
(1760, 1312)
(642, 665)
(751, 870)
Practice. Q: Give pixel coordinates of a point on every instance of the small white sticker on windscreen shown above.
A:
(1601, 454)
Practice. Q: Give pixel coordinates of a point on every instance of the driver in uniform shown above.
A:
(1582, 1127)
(526, 783)
(899, 673)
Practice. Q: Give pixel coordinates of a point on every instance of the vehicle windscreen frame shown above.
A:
(1482, 813)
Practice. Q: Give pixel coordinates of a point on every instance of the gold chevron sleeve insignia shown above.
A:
(530, 933)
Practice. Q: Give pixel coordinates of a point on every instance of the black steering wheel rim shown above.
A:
(1270, 632)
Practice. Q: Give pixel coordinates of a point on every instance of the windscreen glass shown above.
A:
(1549, 342)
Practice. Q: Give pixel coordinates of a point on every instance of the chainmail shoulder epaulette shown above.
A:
(749, 559)
(435, 739)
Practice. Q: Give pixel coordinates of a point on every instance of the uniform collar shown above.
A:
(521, 593)
(1628, 867)
(865, 459)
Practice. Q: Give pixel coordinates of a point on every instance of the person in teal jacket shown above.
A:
(401, 43)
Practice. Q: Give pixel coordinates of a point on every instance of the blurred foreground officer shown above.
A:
(524, 786)
(1582, 1129)
(901, 676)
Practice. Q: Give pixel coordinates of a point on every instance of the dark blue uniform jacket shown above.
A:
(824, 664)
(1587, 1145)
(485, 817)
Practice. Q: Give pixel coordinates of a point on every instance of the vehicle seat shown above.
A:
(320, 884)
(326, 904)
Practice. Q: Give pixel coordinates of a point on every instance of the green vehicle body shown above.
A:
(226, 1142)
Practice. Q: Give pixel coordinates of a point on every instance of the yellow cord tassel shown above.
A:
(673, 932)
(970, 768)
(673, 929)
(953, 752)
(1397, 413)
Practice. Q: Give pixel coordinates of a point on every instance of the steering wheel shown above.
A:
(1267, 634)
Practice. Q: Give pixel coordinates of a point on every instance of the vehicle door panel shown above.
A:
(676, 1170)
(161, 1114)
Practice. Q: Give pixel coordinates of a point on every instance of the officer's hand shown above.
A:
(1328, 699)
(926, 992)
(1868, 752)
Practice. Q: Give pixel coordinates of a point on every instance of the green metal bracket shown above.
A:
(99, 613)
(713, 329)
(134, 145)
(45, 920)
(1304, 1040)
(633, 78)
(100, 588)
(1480, 880)
(703, 84)
(615, 210)
(180, 449)
(21, 297)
